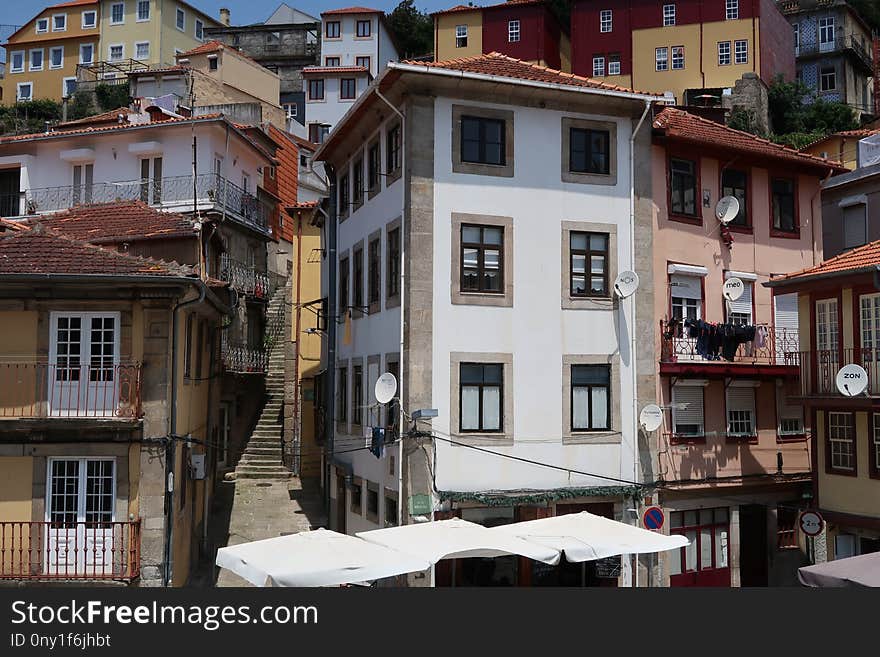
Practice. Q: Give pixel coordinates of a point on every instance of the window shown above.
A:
(512, 31)
(687, 411)
(142, 51)
(723, 53)
(870, 338)
(347, 88)
(590, 397)
(786, 528)
(480, 396)
(827, 342)
(213, 63)
(686, 297)
(841, 441)
(117, 52)
(605, 20)
(390, 511)
(180, 19)
(331, 61)
(661, 59)
(344, 195)
(56, 57)
(316, 89)
(875, 442)
(357, 395)
(42, 25)
(482, 258)
(741, 51)
(358, 275)
(827, 78)
(83, 177)
(392, 149)
(739, 312)
(331, 30)
(677, 58)
(364, 28)
(147, 189)
(59, 23)
(668, 15)
(708, 533)
(373, 168)
(392, 411)
(614, 64)
(89, 19)
(797, 39)
(290, 112)
(374, 273)
(741, 412)
(683, 186)
(344, 274)
(318, 132)
(362, 61)
(143, 10)
(358, 180)
(356, 494)
(589, 248)
(855, 225)
(732, 10)
(782, 190)
(735, 183)
(826, 34)
(372, 502)
(200, 348)
(36, 60)
(200, 29)
(24, 91)
(598, 66)
(86, 53)
(461, 36)
(482, 140)
(68, 87)
(392, 282)
(117, 13)
(16, 63)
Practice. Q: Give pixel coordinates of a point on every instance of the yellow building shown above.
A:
(458, 32)
(841, 146)
(42, 56)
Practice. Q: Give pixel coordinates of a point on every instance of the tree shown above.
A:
(80, 105)
(29, 116)
(112, 96)
(413, 30)
(798, 116)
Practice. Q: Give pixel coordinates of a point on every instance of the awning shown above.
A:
(316, 558)
(457, 538)
(863, 570)
(585, 537)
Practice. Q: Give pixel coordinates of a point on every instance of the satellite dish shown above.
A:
(626, 283)
(651, 417)
(733, 289)
(851, 380)
(386, 388)
(727, 209)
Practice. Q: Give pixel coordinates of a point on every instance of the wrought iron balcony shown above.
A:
(818, 370)
(847, 43)
(244, 278)
(241, 359)
(70, 550)
(72, 390)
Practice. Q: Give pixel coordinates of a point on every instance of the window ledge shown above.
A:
(686, 219)
(791, 437)
(784, 234)
(687, 439)
(593, 438)
(843, 473)
(484, 439)
(746, 230)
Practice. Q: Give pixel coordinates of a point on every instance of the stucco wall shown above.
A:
(444, 35)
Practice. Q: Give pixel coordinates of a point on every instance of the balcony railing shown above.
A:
(49, 390)
(780, 347)
(70, 550)
(244, 278)
(819, 370)
(178, 193)
(241, 359)
(848, 42)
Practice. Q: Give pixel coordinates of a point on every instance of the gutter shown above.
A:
(871, 269)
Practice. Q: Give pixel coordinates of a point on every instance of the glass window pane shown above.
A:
(721, 547)
(493, 373)
(580, 408)
(471, 373)
(494, 154)
(597, 285)
(494, 131)
(492, 408)
(705, 516)
(600, 407)
(491, 259)
(690, 518)
(675, 519)
(471, 258)
(589, 375)
(597, 264)
(470, 234)
(470, 151)
(578, 285)
(705, 548)
(493, 236)
(578, 264)
(470, 408)
(721, 515)
(491, 281)
(675, 562)
(470, 128)
(690, 551)
(598, 242)
(579, 241)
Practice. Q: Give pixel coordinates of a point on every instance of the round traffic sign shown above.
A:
(811, 523)
(653, 518)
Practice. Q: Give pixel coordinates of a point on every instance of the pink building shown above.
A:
(734, 452)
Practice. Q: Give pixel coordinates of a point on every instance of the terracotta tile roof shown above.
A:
(6, 225)
(74, 3)
(159, 69)
(208, 46)
(314, 70)
(304, 205)
(456, 9)
(508, 4)
(105, 117)
(858, 260)
(287, 171)
(861, 134)
(303, 143)
(681, 125)
(352, 10)
(123, 221)
(42, 251)
(500, 65)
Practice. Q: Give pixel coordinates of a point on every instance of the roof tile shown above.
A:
(860, 258)
(352, 10)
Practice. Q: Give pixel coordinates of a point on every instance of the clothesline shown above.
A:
(720, 340)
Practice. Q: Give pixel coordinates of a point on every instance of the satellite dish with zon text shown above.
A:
(726, 209)
(626, 283)
(386, 388)
(851, 380)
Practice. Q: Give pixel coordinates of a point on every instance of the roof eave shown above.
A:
(809, 278)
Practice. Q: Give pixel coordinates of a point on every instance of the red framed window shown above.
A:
(705, 561)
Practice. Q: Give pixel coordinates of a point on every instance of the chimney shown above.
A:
(224, 16)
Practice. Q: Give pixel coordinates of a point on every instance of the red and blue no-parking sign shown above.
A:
(653, 518)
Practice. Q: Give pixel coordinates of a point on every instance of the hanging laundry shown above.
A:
(761, 334)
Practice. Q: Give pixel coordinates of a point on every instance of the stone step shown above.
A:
(264, 445)
(256, 471)
(264, 451)
(259, 462)
(282, 475)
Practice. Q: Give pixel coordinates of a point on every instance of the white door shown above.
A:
(785, 327)
(827, 355)
(83, 364)
(870, 338)
(79, 508)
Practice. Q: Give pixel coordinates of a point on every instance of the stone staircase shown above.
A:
(262, 457)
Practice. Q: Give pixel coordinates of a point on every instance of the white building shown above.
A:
(356, 46)
(500, 179)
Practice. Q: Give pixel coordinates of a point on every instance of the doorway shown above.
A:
(753, 548)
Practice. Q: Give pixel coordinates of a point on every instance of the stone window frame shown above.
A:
(344, 256)
(357, 361)
(357, 203)
(377, 142)
(504, 300)
(392, 301)
(505, 436)
(374, 487)
(568, 176)
(374, 306)
(343, 425)
(615, 435)
(357, 312)
(503, 170)
(569, 302)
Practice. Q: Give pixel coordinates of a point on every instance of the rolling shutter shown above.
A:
(685, 287)
(744, 303)
(854, 226)
(692, 396)
(785, 313)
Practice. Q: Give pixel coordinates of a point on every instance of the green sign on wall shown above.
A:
(420, 505)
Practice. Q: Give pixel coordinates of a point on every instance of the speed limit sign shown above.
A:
(811, 523)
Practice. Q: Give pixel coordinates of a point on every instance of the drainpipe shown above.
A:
(297, 421)
(632, 305)
(400, 369)
(170, 451)
(332, 313)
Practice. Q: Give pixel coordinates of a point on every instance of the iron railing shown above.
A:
(177, 193)
(780, 347)
(819, 370)
(44, 390)
(241, 359)
(244, 278)
(848, 42)
(32, 550)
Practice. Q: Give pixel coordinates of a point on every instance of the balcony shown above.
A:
(49, 390)
(244, 278)
(818, 370)
(241, 359)
(208, 192)
(70, 550)
(847, 44)
(680, 354)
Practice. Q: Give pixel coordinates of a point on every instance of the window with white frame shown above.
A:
(117, 13)
(740, 311)
(668, 15)
(36, 63)
(512, 31)
(870, 339)
(16, 61)
(686, 295)
(42, 25)
(598, 66)
(797, 38)
(24, 91)
(875, 452)
(143, 10)
(842, 440)
(614, 64)
(723, 53)
(116, 52)
(605, 20)
(142, 50)
(826, 326)
(741, 51)
(180, 19)
(89, 19)
(687, 411)
(677, 58)
(826, 34)
(461, 36)
(68, 87)
(732, 10)
(827, 78)
(661, 59)
(56, 57)
(740, 402)
(86, 53)
(59, 23)
(290, 110)
(200, 29)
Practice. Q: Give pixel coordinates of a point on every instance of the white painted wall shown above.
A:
(332, 108)
(378, 46)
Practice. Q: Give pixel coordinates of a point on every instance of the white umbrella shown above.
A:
(457, 538)
(585, 537)
(316, 558)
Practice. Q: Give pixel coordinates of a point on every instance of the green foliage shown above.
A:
(745, 120)
(29, 116)
(112, 96)
(798, 140)
(562, 9)
(80, 105)
(798, 117)
(413, 30)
